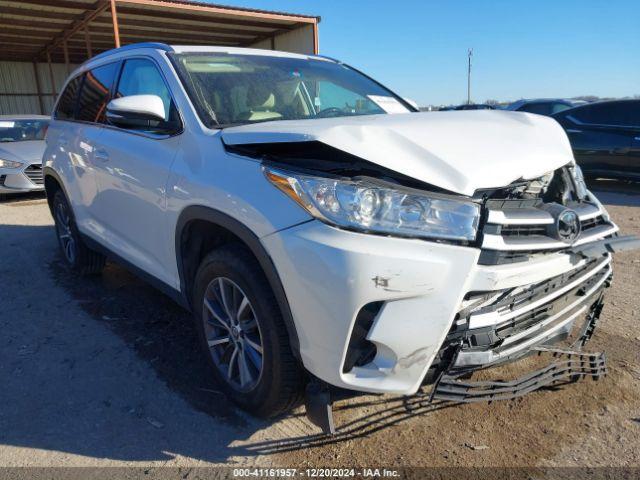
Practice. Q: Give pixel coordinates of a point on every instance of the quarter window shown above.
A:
(67, 103)
(95, 93)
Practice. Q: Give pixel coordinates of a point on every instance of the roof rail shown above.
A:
(133, 46)
(326, 57)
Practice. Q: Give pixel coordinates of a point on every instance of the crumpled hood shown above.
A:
(457, 151)
(30, 151)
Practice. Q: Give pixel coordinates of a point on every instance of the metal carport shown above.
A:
(42, 40)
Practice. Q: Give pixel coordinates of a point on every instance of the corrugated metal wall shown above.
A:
(299, 40)
(19, 77)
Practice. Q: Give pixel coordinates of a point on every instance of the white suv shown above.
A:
(324, 232)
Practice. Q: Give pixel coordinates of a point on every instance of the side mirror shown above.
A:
(142, 112)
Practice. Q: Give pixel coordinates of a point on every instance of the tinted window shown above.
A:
(67, 102)
(95, 93)
(539, 108)
(544, 108)
(22, 130)
(609, 113)
(141, 77)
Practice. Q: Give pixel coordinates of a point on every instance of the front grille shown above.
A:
(502, 325)
(521, 221)
(34, 173)
(521, 323)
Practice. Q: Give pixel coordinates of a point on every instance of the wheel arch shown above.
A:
(53, 183)
(219, 228)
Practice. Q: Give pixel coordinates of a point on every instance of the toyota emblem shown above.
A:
(568, 226)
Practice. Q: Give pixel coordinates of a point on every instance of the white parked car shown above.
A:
(325, 233)
(21, 148)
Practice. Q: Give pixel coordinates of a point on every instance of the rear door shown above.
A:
(75, 133)
(94, 94)
(600, 140)
(132, 174)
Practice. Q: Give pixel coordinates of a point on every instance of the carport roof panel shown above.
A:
(31, 29)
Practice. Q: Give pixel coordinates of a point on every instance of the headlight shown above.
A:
(366, 206)
(9, 164)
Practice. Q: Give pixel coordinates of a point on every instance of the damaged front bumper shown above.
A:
(388, 315)
(383, 315)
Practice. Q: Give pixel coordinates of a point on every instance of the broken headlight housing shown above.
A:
(365, 205)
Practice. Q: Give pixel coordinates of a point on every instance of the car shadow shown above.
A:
(21, 197)
(107, 367)
(616, 192)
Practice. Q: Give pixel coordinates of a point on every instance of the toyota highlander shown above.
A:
(323, 232)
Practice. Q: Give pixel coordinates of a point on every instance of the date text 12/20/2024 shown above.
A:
(316, 472)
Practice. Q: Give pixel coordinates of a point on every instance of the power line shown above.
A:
(470, 54)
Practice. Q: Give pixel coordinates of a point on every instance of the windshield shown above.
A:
(231, 89)
(22, 130)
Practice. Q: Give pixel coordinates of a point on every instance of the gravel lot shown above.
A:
(102, 371)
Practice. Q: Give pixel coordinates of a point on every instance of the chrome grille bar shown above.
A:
(497, 317)
(34, 173)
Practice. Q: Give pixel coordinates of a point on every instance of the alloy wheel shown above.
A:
(65, 233)
(233, 334)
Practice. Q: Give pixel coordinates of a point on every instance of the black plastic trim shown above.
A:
(97, 246)
(168, 290)
(198, 212)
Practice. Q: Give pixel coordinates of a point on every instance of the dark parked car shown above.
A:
(605, 137)
(474, 106)
(541, 106)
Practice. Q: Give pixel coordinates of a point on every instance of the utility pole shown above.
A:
(470, 53)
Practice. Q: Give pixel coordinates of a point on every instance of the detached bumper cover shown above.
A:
(569, 366)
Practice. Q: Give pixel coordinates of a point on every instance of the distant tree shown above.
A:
(491, 101)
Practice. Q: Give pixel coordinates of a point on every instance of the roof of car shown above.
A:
(204, 49)
(25, 117)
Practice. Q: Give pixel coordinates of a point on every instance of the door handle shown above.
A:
(102, 155)
(573, 130)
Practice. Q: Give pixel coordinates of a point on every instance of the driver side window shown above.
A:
(141, 77)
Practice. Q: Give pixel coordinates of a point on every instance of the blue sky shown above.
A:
(522, 48)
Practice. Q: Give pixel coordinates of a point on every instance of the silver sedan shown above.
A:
(21, 147)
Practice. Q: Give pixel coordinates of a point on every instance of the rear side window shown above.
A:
(615, 114)
(544, 108)
(539, 108)
(67, 103)
(96, 93)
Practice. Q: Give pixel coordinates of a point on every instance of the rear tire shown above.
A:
(242, 333)
(76, 254)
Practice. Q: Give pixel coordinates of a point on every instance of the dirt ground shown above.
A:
(103, 372)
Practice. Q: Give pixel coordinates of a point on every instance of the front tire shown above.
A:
(76, 254)
(242, 333)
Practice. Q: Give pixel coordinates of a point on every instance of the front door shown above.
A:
(133, 170)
